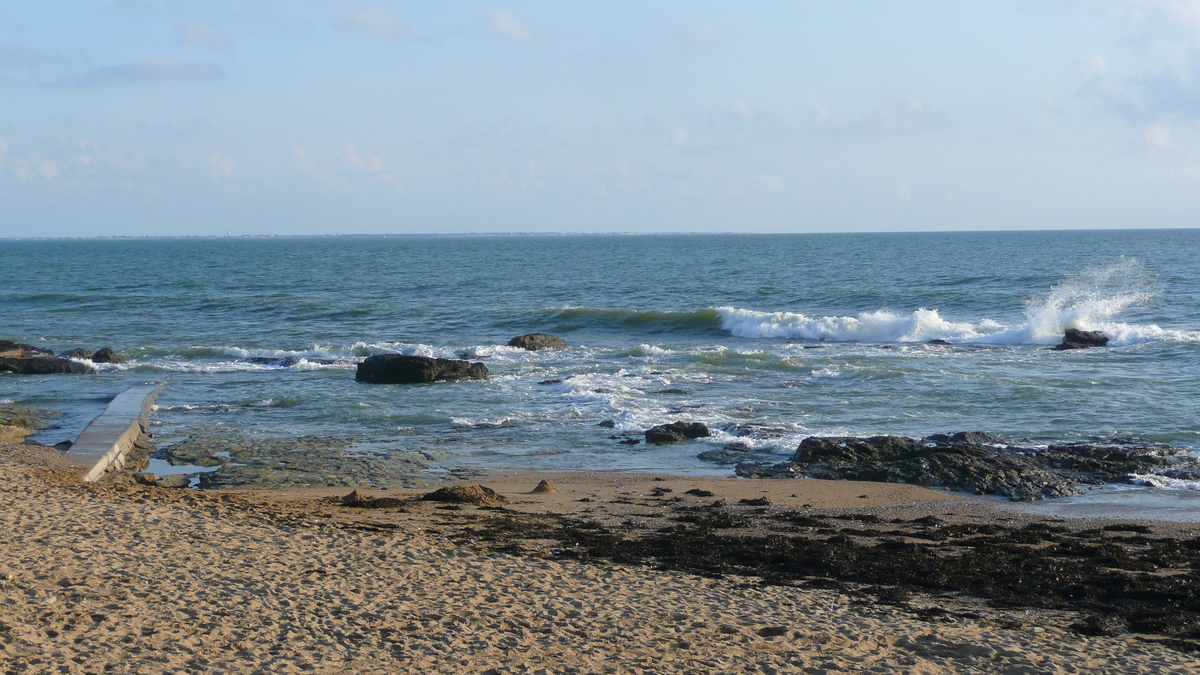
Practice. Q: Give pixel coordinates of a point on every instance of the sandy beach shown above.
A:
(124, 578)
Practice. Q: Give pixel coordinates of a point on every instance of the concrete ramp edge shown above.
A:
(106, 442)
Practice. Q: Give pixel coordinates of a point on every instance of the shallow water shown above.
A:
(767, 338)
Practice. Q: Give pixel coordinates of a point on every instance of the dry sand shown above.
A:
(131, 579)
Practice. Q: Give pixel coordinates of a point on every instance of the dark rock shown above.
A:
(732, 453)
(971, 462)
(77, 353)
(402, 369)
(761, 501)
(697, 492)
(43, 365)
(20, 350)
(660, 491)
(962, 467)
(607, 424)
(937, 341)
(550, 382)
(967, 437)
(676, 431)
(1074, 338)
(630, 441)
(106, 355)
(466, 494)
(537, 341)
(772, 631)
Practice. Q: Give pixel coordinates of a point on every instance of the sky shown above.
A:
(248, 117)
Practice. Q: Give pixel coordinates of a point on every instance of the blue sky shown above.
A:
(148, 117)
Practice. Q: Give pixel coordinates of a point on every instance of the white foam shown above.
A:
(649, 350)
(1163, 482)
(1088, 301)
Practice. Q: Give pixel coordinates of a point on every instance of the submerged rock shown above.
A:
(970, 462)
(43, 365)
(403, 369)
(676, 431)
(538, 341)
(1074, 338)
(77, 353)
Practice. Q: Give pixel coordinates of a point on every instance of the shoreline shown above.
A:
(144, 579)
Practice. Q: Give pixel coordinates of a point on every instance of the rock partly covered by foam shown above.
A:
(676, 431)
(971, 462)
(43, 365)
(1074, 338)
(536, 341)
(402, 369)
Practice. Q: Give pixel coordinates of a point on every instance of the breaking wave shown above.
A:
(1091, 300)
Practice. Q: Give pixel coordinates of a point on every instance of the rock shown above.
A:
(543, 487)
(697, 492)
(660, 491)
(20, 350)
(402, 369)
(607, 424)
(676, 431)
(1074, 338)
(550, 382)
(630, 441)
(178, 480)
(732, 453)
(43, 365)
(968, 437)
(77, 353)
(937, 341)
(772, 631)
(974, 462)
(106, 355)
(466, 494)
(537, 341)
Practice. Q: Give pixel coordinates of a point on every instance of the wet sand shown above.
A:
(125, 578)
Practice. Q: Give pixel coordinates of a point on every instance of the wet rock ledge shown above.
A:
(978, 463)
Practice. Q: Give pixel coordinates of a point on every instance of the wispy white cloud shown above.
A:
(363, 164)
(221, 165)
(376, 21)
(1147, 98)
(894, 117)
(510, 27)
(202, 34)
(146, 70)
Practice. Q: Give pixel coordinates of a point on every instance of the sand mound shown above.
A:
(466, 494)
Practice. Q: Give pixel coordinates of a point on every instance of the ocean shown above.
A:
(768, 339)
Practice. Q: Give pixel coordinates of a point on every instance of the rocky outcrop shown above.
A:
(77, 353)
(537, 341)
(43, 365)
(106, 355)
(970, 462)
(402, 369)
(20, 350)
(676, 431)
(1074, 338)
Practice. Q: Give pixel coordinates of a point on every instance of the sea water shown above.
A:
(768, 339)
